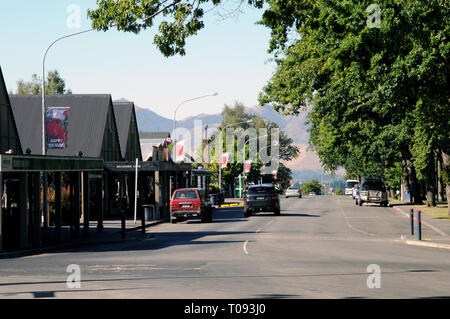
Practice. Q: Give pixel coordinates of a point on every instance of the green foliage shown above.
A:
(236, 117)
(180, 18)
(54, 84)
(375, 96)
(339, 192)
(311, 186)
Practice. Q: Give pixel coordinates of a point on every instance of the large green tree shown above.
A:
(376, 95)
(54, 84)
(236, 117)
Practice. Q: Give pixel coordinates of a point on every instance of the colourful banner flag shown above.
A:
(179, 151)
(247, 166)
(56, 127)
(224, 159)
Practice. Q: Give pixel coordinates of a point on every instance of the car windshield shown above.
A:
(293, 188)
(373, 186)
(350, 184)
(260, 190)
(185, 194)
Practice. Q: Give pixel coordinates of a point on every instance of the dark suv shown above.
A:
(261, 198)
(372, 190)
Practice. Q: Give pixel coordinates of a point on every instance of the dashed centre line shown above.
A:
(244, 247)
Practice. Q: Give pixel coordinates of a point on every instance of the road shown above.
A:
(320, 247)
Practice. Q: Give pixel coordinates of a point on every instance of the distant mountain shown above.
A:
(293, 126)
(149, 121)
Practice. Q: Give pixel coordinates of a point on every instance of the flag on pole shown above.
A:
(224, 159)
(179, 151)
(247, 166)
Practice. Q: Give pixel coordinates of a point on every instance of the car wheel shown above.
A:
(360, 202)
(173, 220)
(277, 212)
(247, 213)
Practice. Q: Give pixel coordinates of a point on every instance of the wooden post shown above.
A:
(157, 195)
(1, 211)
(77, 206)
(86, 217)
(99, 205)
(23, 212)
(58, 207)
(36, 209)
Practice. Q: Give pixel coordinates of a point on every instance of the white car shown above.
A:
(349, 185)
(293, 191)
(312, 194)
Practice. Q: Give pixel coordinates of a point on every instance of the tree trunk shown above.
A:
(431, 198)
(446, 175)
(405, 179)
(439, 180)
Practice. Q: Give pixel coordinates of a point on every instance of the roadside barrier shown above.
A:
(419, 225)
(411, 221)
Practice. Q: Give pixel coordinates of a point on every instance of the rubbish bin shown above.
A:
(149, 211)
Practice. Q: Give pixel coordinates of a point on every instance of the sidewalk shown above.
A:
(435, 231)
(111, 234)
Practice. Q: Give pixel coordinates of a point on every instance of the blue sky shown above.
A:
(229, 57)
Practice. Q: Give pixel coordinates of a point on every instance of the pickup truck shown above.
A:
(190, 203)
(372, 191)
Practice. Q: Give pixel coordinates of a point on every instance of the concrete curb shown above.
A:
(231, 205)
(424, 243)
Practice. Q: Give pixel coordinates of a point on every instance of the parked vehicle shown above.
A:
(261, 198)
(293, 191)
(372, 190)
(312, 194)
(349, 184)
(190, 203)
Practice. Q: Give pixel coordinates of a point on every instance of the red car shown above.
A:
(190, 203)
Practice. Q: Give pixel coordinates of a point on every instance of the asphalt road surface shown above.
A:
(320, 247)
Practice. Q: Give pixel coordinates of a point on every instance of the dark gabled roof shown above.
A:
(124, 113)
(87, 119)
(9, 135)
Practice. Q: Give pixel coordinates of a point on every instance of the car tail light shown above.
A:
(274, 197)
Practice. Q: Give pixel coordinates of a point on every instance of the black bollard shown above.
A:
(411, 221)
(419, 225)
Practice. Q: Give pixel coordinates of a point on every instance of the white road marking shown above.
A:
(351, 226)
(245, 247)
(257, 231)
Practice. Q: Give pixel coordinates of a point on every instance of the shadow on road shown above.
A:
(160, 240)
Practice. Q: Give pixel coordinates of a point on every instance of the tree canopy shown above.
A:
(54, 84)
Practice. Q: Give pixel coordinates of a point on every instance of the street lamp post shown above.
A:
(175, 115)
